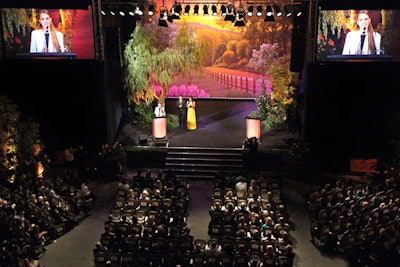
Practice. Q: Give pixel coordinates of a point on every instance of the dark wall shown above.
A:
(65, 97)
(349, 105)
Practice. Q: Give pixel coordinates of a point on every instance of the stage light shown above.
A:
(150, 11)
(214, 10)
(230, 13)
(288, 11)
(163, 17)
(277, 10)
(297, 11)
(104, 11)
(113, 11)
(223, 10)
(240, 17)
(178, 9)
(259, 11)
(187, 9)
(250, 11)
(270, 12)
(196, 10)
(270, 15)
(205, 10)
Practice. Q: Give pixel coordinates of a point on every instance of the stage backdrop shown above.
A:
(238, 56)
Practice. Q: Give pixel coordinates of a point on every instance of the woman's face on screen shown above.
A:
(363, 20)
(44, 19)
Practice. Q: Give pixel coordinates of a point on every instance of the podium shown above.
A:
(159, 127)
(253, 127)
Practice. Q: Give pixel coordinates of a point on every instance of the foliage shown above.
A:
(274, 106)
(18, 137)
(111, 152)
(143, 114)
(150, 63)
(325, 46)
(298, 150)
(263, 58)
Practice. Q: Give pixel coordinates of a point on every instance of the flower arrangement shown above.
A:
(108, 151)
(274, 105)
(325, 47)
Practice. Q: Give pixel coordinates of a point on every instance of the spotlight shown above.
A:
(150, 11)
(121, 12)
(178, 9)
(288, 11)
(174, 13)
(223, 10)
(205, 10)
(187, 9)
(250, 11)
(214, 10)
(103, 11)
(277, 10)
(138, 12)
(230, 13)
(240, 17)
(113, 11)
(259, 11)
(297, 11)
(163, 17)
(196, 10)
(270, 14)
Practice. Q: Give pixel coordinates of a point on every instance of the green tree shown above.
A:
(151, 64)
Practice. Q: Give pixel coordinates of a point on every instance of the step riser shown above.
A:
(203, 162)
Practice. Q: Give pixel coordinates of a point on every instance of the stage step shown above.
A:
(203, 163)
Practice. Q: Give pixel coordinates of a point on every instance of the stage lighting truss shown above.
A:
(122, 9)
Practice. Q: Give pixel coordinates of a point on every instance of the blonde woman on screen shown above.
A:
(364, 41)
(46, 39)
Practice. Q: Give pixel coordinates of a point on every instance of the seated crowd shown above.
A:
(249, 224)
(35, 211)
(359, 220)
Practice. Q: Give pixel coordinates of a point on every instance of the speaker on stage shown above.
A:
(142, 140)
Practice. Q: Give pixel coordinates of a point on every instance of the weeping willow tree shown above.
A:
(154, 56)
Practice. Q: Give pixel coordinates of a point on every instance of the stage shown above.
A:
(220, 123)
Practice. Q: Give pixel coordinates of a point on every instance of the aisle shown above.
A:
(200, 193)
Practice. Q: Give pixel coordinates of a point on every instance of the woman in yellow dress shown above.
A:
(191, 114)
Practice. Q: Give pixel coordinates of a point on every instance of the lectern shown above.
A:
(253, 127)
(159, 129)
